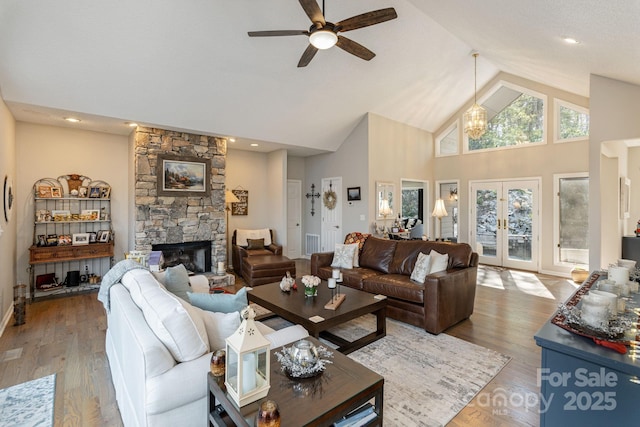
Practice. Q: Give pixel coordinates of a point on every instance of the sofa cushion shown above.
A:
(172, 320)
(344, 256)
(377, 254)
(439, 262)
(421, 269)
(396, 286)
(243, 235)
(221, 303)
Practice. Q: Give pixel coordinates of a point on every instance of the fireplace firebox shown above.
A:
(195, 256)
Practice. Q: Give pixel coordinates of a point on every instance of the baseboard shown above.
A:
(6, 318)
(556, 273)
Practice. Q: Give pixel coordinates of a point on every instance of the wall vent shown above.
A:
(312, 243)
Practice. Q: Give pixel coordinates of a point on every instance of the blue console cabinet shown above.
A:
(585, 384)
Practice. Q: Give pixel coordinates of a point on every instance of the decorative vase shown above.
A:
(310, 291)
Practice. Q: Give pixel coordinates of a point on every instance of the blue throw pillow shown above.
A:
(220, 303)
(176, 280)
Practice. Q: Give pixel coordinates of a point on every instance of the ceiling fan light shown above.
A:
(323, 39)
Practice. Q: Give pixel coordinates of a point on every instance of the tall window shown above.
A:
(515, 117)
(572, 122)
(572, 223)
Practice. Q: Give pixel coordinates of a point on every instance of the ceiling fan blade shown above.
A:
(307, 55)
(278, 33)
(366, 19)
(354, 48)
(313, 11)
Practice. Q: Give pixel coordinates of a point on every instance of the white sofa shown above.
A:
(152, 388)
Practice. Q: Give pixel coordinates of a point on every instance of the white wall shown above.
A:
(50, 151)
(276, 211)
(8, 275)
(614, 117)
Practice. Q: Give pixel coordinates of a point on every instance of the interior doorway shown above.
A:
(504, 222)
(294, 218)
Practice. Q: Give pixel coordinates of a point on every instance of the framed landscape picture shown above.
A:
(183, 176)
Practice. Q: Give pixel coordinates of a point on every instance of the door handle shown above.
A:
(336, 226)
(297, 225)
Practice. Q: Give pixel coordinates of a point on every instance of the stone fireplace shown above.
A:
(195, 256)
(161, 220)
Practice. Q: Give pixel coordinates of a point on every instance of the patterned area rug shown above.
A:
(428, 378)
(28, 404)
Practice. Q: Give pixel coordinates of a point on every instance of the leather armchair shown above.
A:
(239, 252)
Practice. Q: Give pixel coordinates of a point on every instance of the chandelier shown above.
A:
(475, 118)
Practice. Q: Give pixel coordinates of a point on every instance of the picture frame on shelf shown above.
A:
(83, 192)
(183, 176)
(56, 192)
(93, 237)
(94, 192)
(52, 240)
(61, 215)
(80, 239)
(104, 236)
(90, 215)
(42, 240)
(64, 239)
(105, 192)
(43, 191)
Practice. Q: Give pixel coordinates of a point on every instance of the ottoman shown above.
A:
(263, 269)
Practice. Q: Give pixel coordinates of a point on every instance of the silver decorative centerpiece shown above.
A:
(303, 359)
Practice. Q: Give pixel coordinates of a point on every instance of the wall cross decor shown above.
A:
(313, 196)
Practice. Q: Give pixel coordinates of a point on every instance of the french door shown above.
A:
(505, 223)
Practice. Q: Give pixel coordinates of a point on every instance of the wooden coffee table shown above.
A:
(343, 387)
(294, 307)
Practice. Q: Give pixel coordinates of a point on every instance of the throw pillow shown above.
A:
(439, 262)
(343, 256)
(174, 322)
(221, 303)
(422, 267)
(243, 235)
(220, 326)
(176, 280)
(255, 244)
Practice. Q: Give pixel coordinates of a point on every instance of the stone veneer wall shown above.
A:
(162, 219)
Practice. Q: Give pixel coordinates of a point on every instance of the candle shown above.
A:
(335, 273)
(332, 283)
(220, 267)
(340, 278)
(248, 372)
(619, 274)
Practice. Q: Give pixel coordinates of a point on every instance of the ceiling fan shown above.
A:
(323, 34)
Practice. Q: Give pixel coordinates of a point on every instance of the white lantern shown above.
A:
(248, 369)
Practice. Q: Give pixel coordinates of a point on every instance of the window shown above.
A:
(447, 142)
(571, 122)
(515, 118)
(571, 225)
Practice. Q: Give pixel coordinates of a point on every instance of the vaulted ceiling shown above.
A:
(189, 65)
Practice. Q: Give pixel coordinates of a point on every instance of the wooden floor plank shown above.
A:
(66, 336)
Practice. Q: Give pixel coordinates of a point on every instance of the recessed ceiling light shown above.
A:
(131, 124)
(254, 145)
(232, 140)
(72, 119)
(570, 40)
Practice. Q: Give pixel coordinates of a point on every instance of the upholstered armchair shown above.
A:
(246, 243)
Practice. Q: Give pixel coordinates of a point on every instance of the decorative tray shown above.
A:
(568, 317)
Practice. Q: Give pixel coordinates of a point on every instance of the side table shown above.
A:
(344, 387)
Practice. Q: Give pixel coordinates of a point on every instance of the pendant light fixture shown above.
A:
(475, 118)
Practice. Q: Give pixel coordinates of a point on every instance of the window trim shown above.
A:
(493, 90)
(453, 126)
(556, 215)
(557, 103)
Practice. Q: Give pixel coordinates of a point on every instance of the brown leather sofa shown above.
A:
(240, 252)
(445, 298)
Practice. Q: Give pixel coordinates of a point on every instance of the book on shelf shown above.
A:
(359, 417)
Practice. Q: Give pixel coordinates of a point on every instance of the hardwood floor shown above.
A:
(66, 336)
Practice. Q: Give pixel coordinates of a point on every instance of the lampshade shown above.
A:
(439, 210)
(229, 197)
(323, 39)
(475, 118)
(385, 209)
